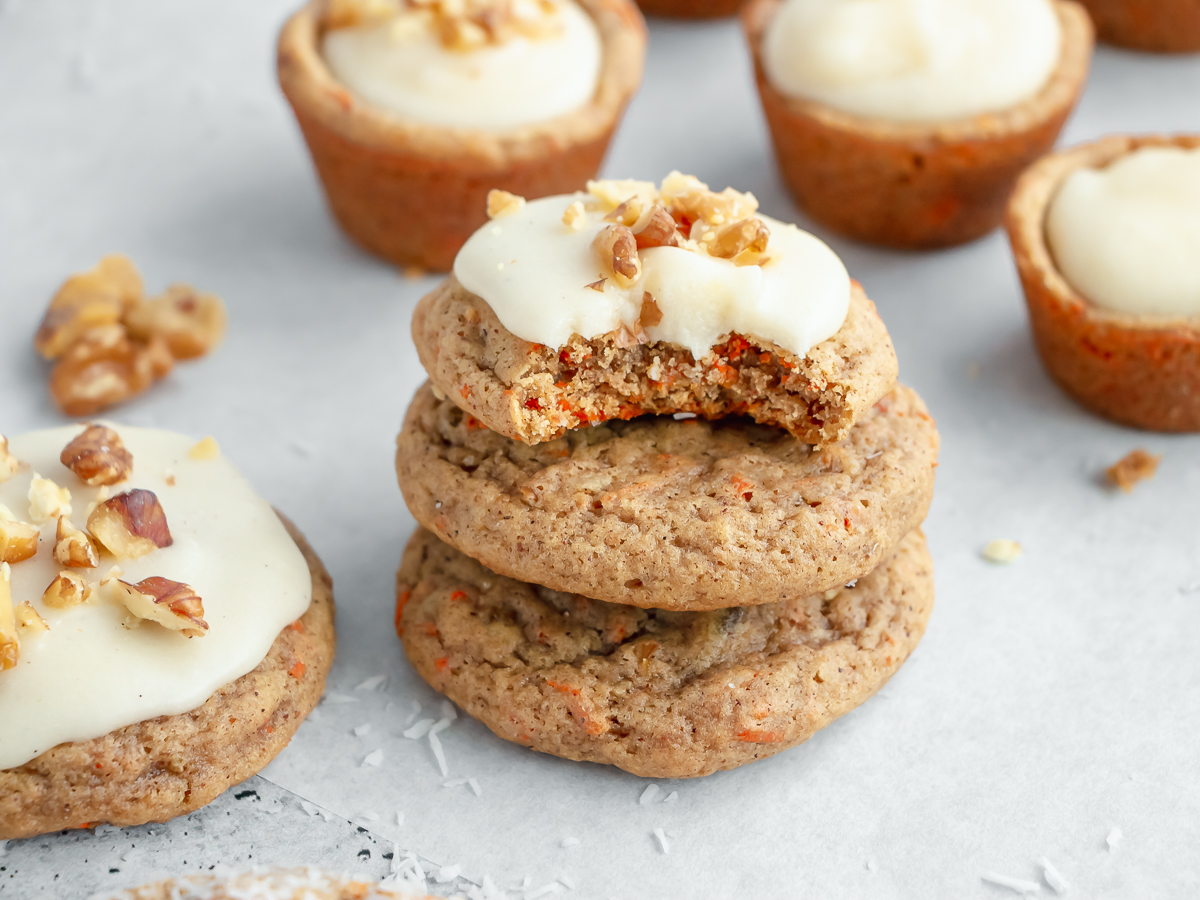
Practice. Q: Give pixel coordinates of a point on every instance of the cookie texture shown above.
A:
(536, 393)
(1142, 371)
(269, 884)
(155, 770)
(673, 514)
(690, 9)
(915, 185)
(1161, 26)
(659, 694)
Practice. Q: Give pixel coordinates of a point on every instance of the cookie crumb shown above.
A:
(1133, 467)
(1002, 552)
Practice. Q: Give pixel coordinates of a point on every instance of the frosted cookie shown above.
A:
(266, 884)
(414, 111)
(659, 694)
(1162, 26)
(163, 632)
(675, 514)
(906, 123)
(631, 298)
(1106, 237)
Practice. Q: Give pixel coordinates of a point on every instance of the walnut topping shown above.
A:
(98, 297)
(1132, 468)
(190, 322)
(502, 203)
(74, 548)
(29, 621)
(18, 540)
(573, 218)
(169, 603)
(9, 464)
(205, 449)
(105, 367)
(659, 230)
(351, 13)
(67, 590)
(597, 285)
(47, 500)
(617, 248)
(740, 236)
(98, 456)
(461, 25)
(650, 315)
(10, 644)
(131, 524)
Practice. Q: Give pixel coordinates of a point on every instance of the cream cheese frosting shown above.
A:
(95, 669)
(912, 60)
(404, 67)
(1127, 237)
(540, 276)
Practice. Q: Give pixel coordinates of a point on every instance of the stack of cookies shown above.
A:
(647, 547)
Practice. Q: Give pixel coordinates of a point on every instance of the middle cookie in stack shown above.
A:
(704, 585)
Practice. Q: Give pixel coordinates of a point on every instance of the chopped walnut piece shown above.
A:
(190, 322)
(689, 199)
(88, 300)
(105, 367)
(612, 193)
(351, 13)
(617, 249)
(18, 540)
(502, 203)
(98, 456)
(205, 449)
(574, 217)
(131, 524)
(650, 315)
(731, 240)
(659, 230)
(74, 548)
(1136, 466)
(169, 603)
(9, 464)
(67, 590)
(47, 500)
(10, 644)
(28, 619)
(1002, 551)
(597, 285)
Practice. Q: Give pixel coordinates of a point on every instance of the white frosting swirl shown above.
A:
(523, 81)
(90, 674)
(1127, 237)
(912, 60)
(534, 271)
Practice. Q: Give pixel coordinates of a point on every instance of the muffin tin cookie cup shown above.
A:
(1161, 26)
(165, 767)
(915, 185)
(413, 193)
(1142, 371)
(690, 9)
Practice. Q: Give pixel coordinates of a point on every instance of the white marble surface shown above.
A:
(1051, 701)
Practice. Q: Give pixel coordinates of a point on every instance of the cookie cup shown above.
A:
(690, 9)
(168, 766)
(1160, 26)
(412, 193)
(915, 185)
(1142, 371)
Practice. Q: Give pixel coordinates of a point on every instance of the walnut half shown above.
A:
(98, 456)
(18, 540)
(131, 524)
(105, 367)
(190, 322)
(169, 603)
(616, 247)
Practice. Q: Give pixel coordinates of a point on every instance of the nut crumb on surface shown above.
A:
(10, 643)
(18, 540)
(502, 203)
(47, 500)
(205, 449)
(67, 590)
(9, 464)
(1002, 551)
(1132, 468)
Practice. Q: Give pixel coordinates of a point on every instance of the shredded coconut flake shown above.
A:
(649, 794)
(363, 729)
(1054, 878)
(1114, 838)
(569, 842)
(446, 874)
(1020, 885)
(333, 698)
(309, 808)
(374, 683)
(371, 816)
(419, 730)
(552, 888)
(454, 782)
(662, 840)
(374, 758)
(436, 745)
(671, 797)
(416, 711)
(449, 711)
(567, 881)
(399, 818)
(474, 785)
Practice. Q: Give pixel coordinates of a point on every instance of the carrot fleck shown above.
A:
(431, 629)
(465, 390)
(533, 403)
(443, 664)
(459, 595)
(297, 671)
(759, 736)
(401, 601)
(296, 626)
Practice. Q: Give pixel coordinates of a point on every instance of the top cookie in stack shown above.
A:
(655, 398)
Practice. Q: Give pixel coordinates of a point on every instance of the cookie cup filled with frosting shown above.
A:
(163, 630)
(935, 175)
(1135, 359)
(407, 180)
(1160, 26)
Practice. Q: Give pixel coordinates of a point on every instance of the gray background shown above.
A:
(1050, 702)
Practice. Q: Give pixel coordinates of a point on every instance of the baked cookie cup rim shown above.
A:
(1058, 94)
(315, 93)
(1025, 222)
(204, 784)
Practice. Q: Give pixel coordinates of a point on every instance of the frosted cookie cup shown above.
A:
(1160, 26)
(921, 183)
(163, 631)
(411, 190)
(1136, 369)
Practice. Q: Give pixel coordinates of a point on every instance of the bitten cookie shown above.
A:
(532, 392)
(674, 514)
(659, 694)
(165, 767)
